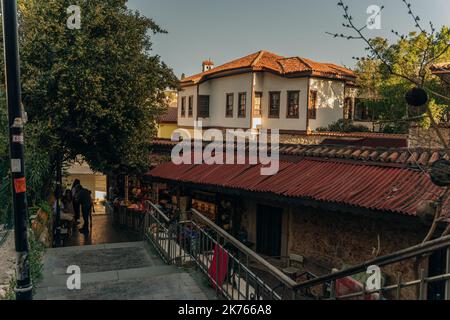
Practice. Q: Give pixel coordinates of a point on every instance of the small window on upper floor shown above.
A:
(242, 111)
(229, 105)
(293, 104)
(257, 110)
(183, 106)
(274, 104)
(312, 105)
(191, 106)
(348, 108)
(203, 106)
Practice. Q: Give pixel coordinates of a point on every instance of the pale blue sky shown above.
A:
(227, 29)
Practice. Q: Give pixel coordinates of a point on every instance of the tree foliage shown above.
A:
(96, 91)
(400, 66)
(93, 92)
(385, 91)
(343, 125)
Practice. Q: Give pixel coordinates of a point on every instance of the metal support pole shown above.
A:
(447, 270)
(422, 286)
(16, 146)
(58, 194)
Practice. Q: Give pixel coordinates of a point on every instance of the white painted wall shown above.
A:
(218, 89)
(330, 102)
(267, 82)
(186, 92)
(351, 92)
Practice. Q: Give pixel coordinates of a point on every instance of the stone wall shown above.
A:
(303, 139)
(427, 138)
(337, 240)
(7, 264)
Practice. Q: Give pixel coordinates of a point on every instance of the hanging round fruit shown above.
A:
(416, 99)
(440, 173)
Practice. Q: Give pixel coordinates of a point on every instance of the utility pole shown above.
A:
(58, 195)
(16, 146)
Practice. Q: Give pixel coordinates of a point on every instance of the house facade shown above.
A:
(267, 91)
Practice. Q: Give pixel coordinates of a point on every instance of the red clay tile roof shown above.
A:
(208, 63)
(441, 68)
(267, 61)
(395, 190)
(171, 116)
(381, 156)
(360, 135)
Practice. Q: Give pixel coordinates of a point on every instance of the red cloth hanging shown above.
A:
(222, 263)
(349, 285)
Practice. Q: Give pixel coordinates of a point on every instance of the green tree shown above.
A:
(404, 64)
(95, 91)
(385, 90)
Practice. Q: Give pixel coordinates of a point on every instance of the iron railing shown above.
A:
(417, 283)
(238, 273)
(235, 271)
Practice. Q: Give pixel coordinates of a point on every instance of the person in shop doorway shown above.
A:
(76, 187)
(84, 198)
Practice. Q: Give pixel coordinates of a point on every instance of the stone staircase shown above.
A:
(124, 271)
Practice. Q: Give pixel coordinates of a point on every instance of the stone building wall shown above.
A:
(427, 138)
(335, 240)
(301, 139)
(338, 240)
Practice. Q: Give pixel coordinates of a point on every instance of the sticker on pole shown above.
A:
(20, 185)
(18, 123)
(18, 139)
(16, 165)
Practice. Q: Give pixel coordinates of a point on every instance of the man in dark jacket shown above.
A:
(76, 186)
(83, 197)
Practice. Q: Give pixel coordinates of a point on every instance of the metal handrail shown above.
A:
(398, 256)
(396, 286)
(174, 249)
(274, 270)
(171, 243)
(162, 214)
(241, 266)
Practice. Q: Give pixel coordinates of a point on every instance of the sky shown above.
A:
(223, 30)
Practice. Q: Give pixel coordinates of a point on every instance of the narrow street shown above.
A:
(102, 232)
(115, 265)
(118, 271)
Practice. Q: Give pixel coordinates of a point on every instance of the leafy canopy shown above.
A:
(386, 91)
(96, 91)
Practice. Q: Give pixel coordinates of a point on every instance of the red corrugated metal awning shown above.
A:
(391, 189)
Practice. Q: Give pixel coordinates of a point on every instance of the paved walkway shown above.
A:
(103, 231)
(123, 271)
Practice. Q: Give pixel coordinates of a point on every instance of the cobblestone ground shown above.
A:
(123, 271)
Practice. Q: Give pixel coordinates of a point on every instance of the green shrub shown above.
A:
(343, 126)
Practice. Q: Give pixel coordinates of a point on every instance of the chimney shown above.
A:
(207, 65)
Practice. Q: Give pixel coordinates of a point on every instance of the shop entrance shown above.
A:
(268, 231)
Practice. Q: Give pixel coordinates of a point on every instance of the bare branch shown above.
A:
(415, 18)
